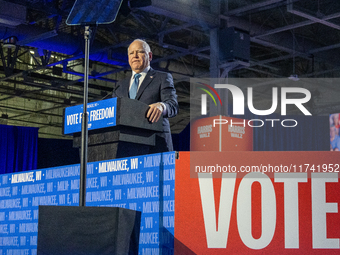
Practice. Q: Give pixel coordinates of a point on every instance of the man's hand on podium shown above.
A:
(155, 112)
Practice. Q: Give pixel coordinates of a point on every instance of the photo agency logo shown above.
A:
(280, 98)
(204, 97)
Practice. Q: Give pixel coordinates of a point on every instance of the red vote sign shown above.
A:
(257, 203)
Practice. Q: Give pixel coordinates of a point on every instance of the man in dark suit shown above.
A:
(152, 87)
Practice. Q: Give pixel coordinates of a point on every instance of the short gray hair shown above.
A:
(145, 45)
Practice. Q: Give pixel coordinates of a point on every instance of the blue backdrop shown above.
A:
(18, 148)
(310, 134)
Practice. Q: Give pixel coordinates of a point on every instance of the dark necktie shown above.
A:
(134, 86)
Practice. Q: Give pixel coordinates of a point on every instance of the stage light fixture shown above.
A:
(10, 42)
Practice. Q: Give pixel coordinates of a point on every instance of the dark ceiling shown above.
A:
(43, 73)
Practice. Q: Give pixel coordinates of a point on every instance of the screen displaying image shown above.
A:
(334, 123)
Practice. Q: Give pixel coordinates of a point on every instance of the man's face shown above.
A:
(139, 58)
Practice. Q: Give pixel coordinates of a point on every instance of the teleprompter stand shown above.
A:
(88, 13)
(82, 230)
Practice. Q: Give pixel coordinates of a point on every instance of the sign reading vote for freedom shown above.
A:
(101, 114)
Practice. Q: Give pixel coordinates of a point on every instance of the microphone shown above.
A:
(113, 91)
(108, 94)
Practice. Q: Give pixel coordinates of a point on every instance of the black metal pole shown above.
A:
(84, 129)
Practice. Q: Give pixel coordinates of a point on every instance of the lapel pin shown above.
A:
(151, 77)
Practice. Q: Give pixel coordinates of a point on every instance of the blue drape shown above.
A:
(18, 148)
(310, 134)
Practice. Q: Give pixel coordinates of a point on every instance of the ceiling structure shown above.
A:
(43, 72)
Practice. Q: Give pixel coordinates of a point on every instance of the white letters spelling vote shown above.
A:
(217, 236)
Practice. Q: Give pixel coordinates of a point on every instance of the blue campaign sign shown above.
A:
(101, 114)
(142, 183)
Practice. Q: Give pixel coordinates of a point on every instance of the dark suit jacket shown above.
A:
(156, 87)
